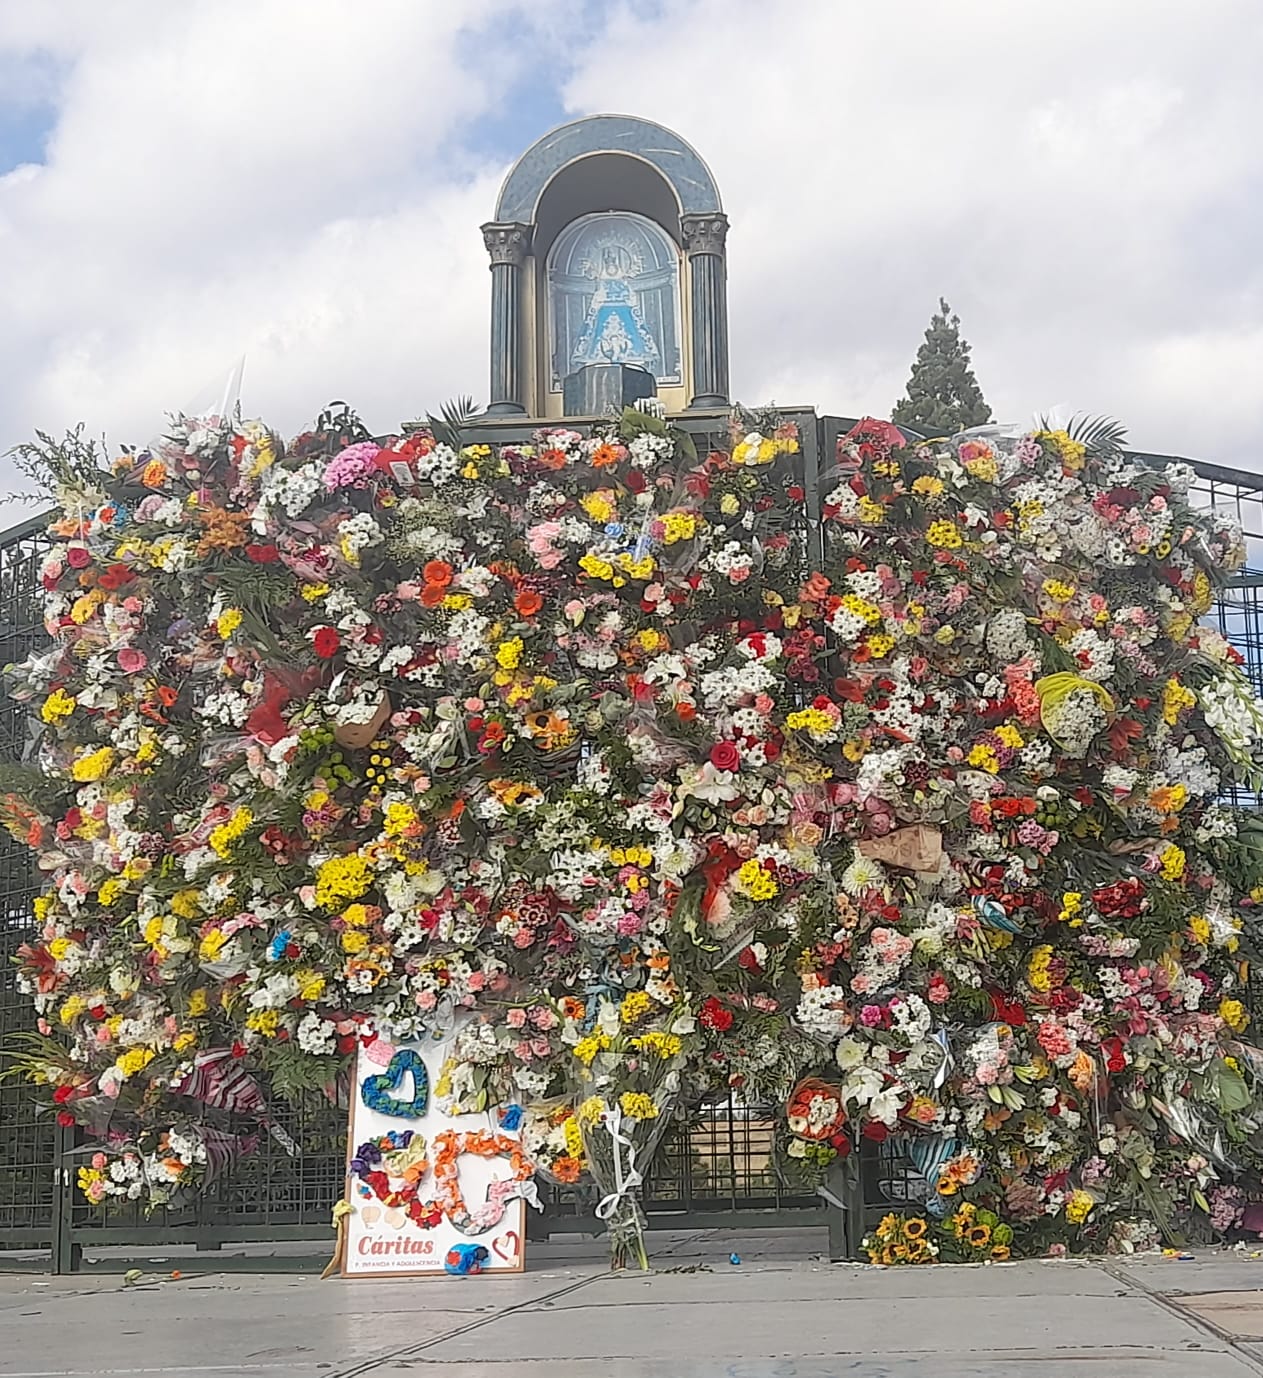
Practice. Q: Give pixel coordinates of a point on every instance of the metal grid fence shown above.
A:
(716, 1162)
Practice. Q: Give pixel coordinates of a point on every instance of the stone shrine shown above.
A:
(608, 274)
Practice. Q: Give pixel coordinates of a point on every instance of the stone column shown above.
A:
(704, 237)
(508, 245)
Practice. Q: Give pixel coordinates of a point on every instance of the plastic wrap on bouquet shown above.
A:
(618, 1147)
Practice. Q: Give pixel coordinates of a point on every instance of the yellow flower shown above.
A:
(185, 905)
(636, 1105)
(634, 1006)
(860, 607)
(590, 1111)
(1234, 1014)
(880, 644)
(1079, 1207)
(756, 881)
(678, 526)
(223, 838)
(730, 504)
(1037, 974)
(812, 720)
(1010, 736)
(71, 1008)
(869, 512)
(1175, 698)
(509, 653)
(266, 1022)
(110, 890)
(574, 1135)
(596, 567)
(57, 705)
(944, 535)
(587, 1048)
(354, 940)
(599, 505)
(664, 1045)
(311, 984)
(1071, 903)
(227, 622)
(1058, 591)
(313, 593)
(198, 1003)
(342, 878)
(93, 766)
(58, 948)
(1173, 862)
(983, 757)
(399, 818)
(134, 1060)
(184, 1041)
(927, 486)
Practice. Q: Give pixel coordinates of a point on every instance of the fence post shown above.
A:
(66, 1254)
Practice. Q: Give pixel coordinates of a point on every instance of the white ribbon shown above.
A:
(625, 1182)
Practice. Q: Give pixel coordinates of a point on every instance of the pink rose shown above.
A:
(516, 1018)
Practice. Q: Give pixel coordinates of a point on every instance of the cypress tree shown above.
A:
(943, 396)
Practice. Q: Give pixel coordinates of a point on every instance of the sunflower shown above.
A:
(1000, 1252)
(947, 1186)
(914, 1229)
(979, 1236)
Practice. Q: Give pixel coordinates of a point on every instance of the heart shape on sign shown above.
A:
(378, 1091)
(510, 1242)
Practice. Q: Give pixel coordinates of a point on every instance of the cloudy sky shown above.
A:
(301, 182)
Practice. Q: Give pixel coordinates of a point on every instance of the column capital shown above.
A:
(704, 234)
(507, 242)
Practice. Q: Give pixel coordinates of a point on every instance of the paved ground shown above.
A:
(783, 1313)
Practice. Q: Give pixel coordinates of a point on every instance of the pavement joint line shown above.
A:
(1188, 1317)
(406, 1351)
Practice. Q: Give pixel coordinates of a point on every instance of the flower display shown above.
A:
(646, 778)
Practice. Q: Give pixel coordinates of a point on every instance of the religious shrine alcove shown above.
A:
(609, 274)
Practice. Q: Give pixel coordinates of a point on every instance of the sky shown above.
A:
(301, 182)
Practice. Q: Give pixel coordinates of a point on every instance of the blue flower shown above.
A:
(511, 1117)
(277, 950)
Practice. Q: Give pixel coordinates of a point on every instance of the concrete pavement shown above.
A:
(783, 1313)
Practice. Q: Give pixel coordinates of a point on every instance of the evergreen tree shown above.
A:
(943, 396)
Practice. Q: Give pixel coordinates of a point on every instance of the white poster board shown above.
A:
(381, 1240)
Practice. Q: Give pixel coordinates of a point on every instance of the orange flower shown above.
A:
(437, 572)
(815, 588)
(154, 474)
(552, 459)
(432, 595)
(605, 455)
(527, 602)
(571, 1008)
(566, 1169)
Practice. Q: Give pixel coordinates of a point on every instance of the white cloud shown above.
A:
(293, 180)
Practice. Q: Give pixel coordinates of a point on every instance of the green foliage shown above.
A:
(942, 397)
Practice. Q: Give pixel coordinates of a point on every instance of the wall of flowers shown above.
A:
(571, 749)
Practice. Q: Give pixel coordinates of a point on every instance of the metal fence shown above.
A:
(716, 1163)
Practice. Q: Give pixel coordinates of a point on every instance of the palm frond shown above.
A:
(1102, 436)
(455, 416)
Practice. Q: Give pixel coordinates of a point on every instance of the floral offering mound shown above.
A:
(904, 815)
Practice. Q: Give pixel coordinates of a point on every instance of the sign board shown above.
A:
(383, 1235)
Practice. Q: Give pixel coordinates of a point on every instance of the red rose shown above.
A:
(841, 1144)
(876, 1131)
(635, 481)
(725, 756)
(78, 557)
(263, 554)
(325, 641)
(715, 1016)
(65, 1119)
(62, 1094)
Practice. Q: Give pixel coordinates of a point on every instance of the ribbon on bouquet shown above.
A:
(626, 1179)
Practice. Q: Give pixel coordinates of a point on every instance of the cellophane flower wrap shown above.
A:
(652, 780)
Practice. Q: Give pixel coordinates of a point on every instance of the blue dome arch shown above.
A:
(678, 162)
